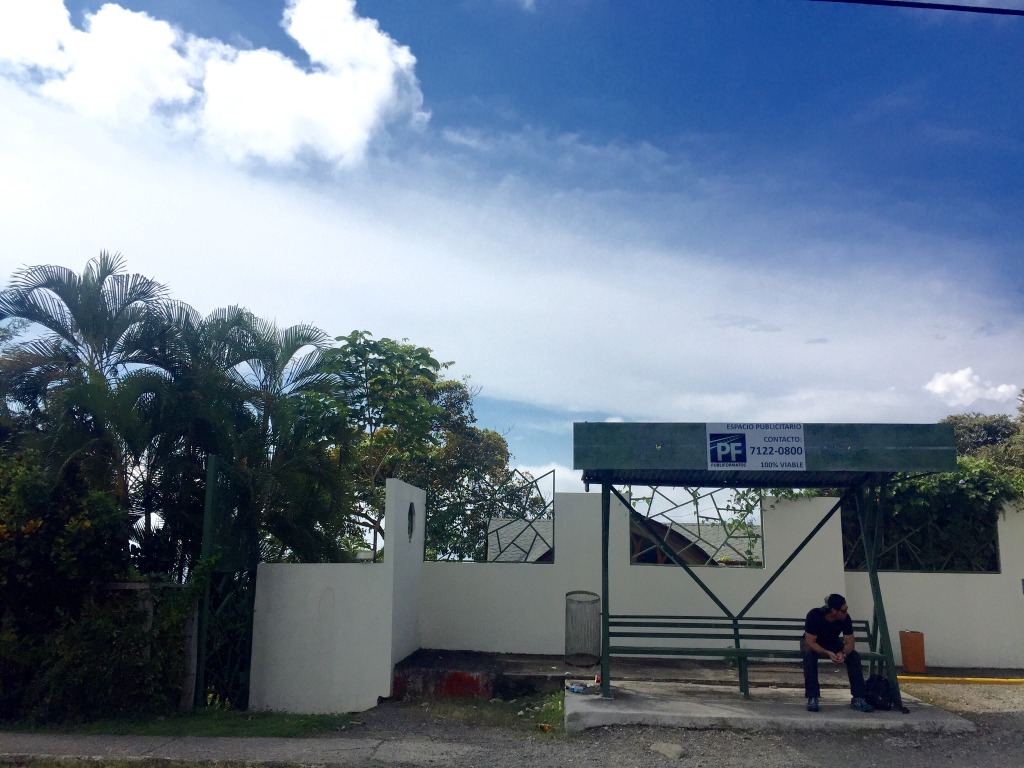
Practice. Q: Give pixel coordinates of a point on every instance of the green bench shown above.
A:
(742, 639)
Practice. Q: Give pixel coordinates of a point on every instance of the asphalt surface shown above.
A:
(652, 722)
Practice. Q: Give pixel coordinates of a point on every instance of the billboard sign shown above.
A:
(756, 447)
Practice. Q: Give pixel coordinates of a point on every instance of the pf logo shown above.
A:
(728, 448)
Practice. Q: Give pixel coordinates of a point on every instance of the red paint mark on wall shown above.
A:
(465, 685)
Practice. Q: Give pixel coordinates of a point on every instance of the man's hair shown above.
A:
(835, 602)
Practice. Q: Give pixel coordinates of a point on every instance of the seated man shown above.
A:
(828, 632)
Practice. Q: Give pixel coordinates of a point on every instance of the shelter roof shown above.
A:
(830, 455)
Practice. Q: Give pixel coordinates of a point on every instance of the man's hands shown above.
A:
(837, 657)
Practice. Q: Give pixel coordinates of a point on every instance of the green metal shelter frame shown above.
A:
(857, 458)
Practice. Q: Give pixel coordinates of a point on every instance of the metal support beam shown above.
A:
(606, 516)
(869, 516)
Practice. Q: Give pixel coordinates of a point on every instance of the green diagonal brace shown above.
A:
(642, 522)
(797, 551)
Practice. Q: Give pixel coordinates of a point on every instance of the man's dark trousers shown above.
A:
(853, 669)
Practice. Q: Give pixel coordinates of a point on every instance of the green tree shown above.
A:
(386, 390)
(59, 544)
(75, 381)
(94, 325)
(939, 522)
(975, 431)
(468, 479)
(1008, 453)
(193, 415)
(285, 469)
(407, 421)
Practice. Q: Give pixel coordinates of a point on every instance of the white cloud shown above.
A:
(965, 387)
(32, 34)
(126, 65)
(551, 298)
(646, 302)
(123, 66)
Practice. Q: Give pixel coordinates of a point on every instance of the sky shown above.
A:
(704, 211)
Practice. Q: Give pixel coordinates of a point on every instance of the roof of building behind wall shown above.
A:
(835, 455)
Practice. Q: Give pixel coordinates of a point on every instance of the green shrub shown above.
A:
(113, 660)
(70, 648)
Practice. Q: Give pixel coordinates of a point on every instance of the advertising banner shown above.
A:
(756, 447)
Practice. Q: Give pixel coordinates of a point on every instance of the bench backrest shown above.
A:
(751, 631)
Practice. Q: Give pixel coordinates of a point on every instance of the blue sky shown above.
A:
(706, 210)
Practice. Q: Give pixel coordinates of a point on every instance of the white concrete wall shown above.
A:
(321, 637)
(403, 554)
(968, 620)
(512, 608)
(326, 637)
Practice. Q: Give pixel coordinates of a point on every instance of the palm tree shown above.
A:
(137, 390)
(287, 475)
(191, 417)
(86, 362)
(241, 389)
(100, 322)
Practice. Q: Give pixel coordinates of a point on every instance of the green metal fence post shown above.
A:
(606, 516)
(205, 552)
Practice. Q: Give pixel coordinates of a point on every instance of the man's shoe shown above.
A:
(860, 705)
(812, 704)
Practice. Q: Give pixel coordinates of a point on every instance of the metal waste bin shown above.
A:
(582, 628)
(912, 651)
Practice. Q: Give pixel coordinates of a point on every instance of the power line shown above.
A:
(932, 6)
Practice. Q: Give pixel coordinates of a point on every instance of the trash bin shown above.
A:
(912, 650)
(582, 628)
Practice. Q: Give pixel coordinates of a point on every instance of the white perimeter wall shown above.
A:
(968, 620)
(326, 637)
(512, 608)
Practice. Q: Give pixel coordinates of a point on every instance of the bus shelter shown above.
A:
(857, 460)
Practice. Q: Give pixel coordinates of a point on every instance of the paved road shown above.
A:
(621, 747)
(406, 734)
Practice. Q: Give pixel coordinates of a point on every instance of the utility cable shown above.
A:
(933, 6)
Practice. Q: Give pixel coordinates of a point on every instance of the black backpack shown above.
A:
(879, 692)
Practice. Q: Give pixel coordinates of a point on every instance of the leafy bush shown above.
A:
(123, 655)
(944, 522)
(69, 647)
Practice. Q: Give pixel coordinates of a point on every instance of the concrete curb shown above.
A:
(769, 709)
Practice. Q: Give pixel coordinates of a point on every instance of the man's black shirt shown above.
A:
(827, 632)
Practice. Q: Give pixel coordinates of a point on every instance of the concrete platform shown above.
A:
(678, 693)
(703, 706)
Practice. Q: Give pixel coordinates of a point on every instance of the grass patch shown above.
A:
(544, 712)
(205, 722)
